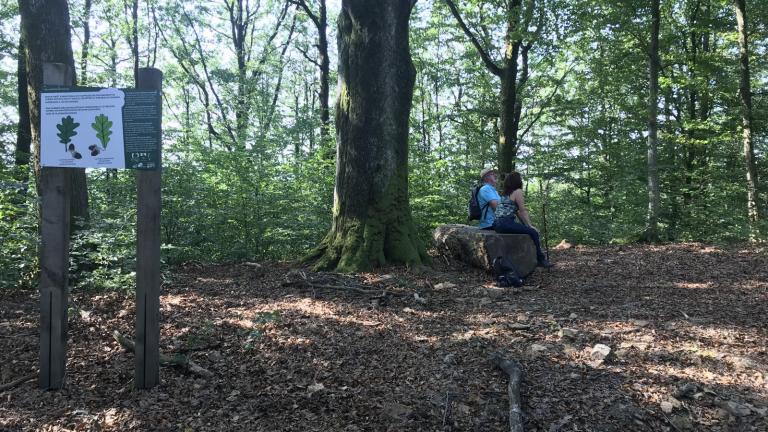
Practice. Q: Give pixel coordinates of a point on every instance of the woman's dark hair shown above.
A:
(512, 182)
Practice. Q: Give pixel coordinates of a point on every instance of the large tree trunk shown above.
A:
(745, 95)
(46, 32)
(372, 222)
(651, 231)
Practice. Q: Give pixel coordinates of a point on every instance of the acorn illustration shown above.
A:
(75, 154)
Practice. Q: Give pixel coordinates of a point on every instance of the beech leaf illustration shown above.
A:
(103, 127)
(66, 130)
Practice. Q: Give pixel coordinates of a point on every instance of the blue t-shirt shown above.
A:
(484, 197)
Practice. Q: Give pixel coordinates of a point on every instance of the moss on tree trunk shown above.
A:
(372, 222)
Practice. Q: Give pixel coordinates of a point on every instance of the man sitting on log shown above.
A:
(488, 198)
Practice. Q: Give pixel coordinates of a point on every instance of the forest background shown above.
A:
(249, 147)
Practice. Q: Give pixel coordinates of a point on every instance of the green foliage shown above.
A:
(246, 176)
(103, 127)
(18, 231)
(102, 255)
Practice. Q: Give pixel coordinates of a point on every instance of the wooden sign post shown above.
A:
(148, 185)
(137, 115)
(54, 256)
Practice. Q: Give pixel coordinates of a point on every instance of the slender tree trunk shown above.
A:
(86, 43)
(23, 133)
(320, 20)
(135, 39)
(46, 32)
(651, 232)
(508, 127)
(325, 73)
(745, 95)
(372, 222)
(239, 29)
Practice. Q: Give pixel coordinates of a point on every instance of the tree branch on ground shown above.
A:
(179, 361)
(515, 374)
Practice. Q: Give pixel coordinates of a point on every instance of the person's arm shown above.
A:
(522, 211)
(491, 196)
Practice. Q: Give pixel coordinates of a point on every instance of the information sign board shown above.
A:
(100, 128)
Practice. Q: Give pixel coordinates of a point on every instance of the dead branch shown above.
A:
(515, 373)
(180, 361)
(17, 382)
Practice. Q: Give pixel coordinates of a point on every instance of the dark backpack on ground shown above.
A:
(474, 211)
(506, 273)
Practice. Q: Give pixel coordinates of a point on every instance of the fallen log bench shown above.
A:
(478, 247)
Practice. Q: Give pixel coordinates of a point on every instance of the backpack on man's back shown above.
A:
(474, 211)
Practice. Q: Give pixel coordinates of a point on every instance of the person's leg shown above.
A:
(509, 226)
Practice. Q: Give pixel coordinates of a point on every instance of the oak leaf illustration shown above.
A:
(66, 130)
(103, 127)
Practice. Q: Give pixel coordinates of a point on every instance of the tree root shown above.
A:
(179, 361)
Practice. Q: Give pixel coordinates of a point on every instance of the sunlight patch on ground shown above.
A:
(311, 307)
(483, 333)
(708, 249)
(242, 323)
(706, 377)
(176, 300)
(693, 285)
(206, 280)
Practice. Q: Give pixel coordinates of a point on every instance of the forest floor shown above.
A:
(293, 350)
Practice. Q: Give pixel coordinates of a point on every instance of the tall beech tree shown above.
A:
(372, 222)
(651, 230)
(46, 33)
(745, 97)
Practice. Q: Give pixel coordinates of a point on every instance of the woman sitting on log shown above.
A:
(513, 202)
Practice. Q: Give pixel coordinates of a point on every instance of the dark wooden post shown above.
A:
(54, 257)
(148, 260)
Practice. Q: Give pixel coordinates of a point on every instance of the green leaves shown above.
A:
(66, 130)
(103, 127)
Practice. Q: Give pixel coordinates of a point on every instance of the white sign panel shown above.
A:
(82, 129)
